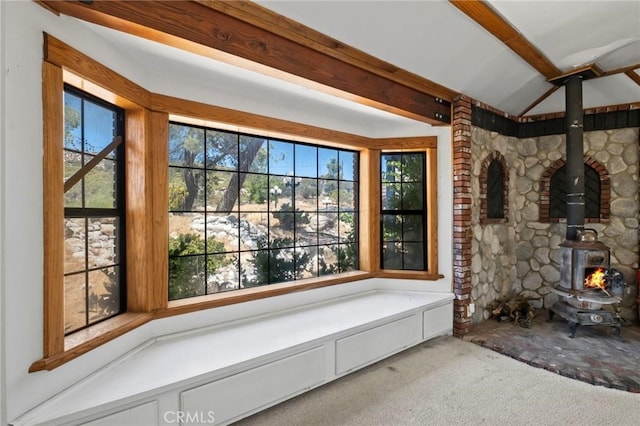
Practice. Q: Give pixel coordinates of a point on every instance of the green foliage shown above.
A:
(187, 271)
(109, 303)
(71, 122)
(286, 217)
(177, 195)
(346, 254)
(280, 263)
(257, 187)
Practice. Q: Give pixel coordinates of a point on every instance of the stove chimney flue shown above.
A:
(575, 157)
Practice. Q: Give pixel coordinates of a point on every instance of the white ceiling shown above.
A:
(432, 39)
(437, 41)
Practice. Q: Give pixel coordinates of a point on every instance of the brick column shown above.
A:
(462, 230)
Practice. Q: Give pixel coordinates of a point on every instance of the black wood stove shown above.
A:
(586, 284)
(585, 275)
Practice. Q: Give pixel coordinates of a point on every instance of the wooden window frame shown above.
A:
(147, 122)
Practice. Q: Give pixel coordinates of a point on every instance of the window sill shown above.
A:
(409, 275)
(182, 306)
(90, 338)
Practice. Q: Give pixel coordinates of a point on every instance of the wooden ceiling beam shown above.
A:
(201, 29)
(633, 76)
(483, 14)
(260, 16)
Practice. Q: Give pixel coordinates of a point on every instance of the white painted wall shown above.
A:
(3, 157)
(21, 235)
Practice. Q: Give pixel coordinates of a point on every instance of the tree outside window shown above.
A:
(248, 211)
(403, 214)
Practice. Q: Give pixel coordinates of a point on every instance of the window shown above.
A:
(403, 211)
(558, 193)
(184, 195)
(93, 210)
(597, 196)
(247, 211)
(494, 192)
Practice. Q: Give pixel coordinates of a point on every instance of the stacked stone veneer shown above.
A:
(521, 255)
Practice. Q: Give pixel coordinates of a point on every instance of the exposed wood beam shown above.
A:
(491, 21)
(540, 99)
(622, 70)
(633, 76)
(201, 29)
(264, 18)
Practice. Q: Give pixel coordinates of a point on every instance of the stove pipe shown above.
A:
(575, 157)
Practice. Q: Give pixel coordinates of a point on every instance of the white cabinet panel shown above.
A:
(437, 321)
(145, 414)
(371, 345)
(236, 395)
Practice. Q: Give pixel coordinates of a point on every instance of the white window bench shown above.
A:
(219, 374)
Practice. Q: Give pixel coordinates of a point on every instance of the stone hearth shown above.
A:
(598, 357)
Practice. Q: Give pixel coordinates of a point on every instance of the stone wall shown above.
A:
(523, 255)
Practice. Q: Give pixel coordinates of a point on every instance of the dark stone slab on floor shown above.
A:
(596, 355)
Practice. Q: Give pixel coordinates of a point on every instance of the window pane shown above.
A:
(224, 273)
(104, 293)
(413, 228)
(102, 241)
(391, 169)
(347, 227)
(223, 231)
(348, 259)
(280, 158)
(100, 185)
(414, 256)
(328, 163)
(186, 233)
(347, 196)
(254, 193)
(306, 161)
(328, 227)
(280, 236)
(412, 167)
(253, 154)
(412, 196)
(348, 165)
(75, 306)
(392, 255)
(282, 265)
(308, 262)
(254, 228)
(99, 127)
(391, 196)
(72, 122)
(222, 150)
(306, 195)
(74, 245)
(72, 163)
(186, 189)
(186, 146)
(254, 268)
(280, 195)
(391, 227)
(187, 276)
(222, 191)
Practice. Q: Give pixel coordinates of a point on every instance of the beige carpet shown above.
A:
(448, 381)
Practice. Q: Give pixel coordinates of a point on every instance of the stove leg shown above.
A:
(617, 330)
(572, 329)
(550, 315)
